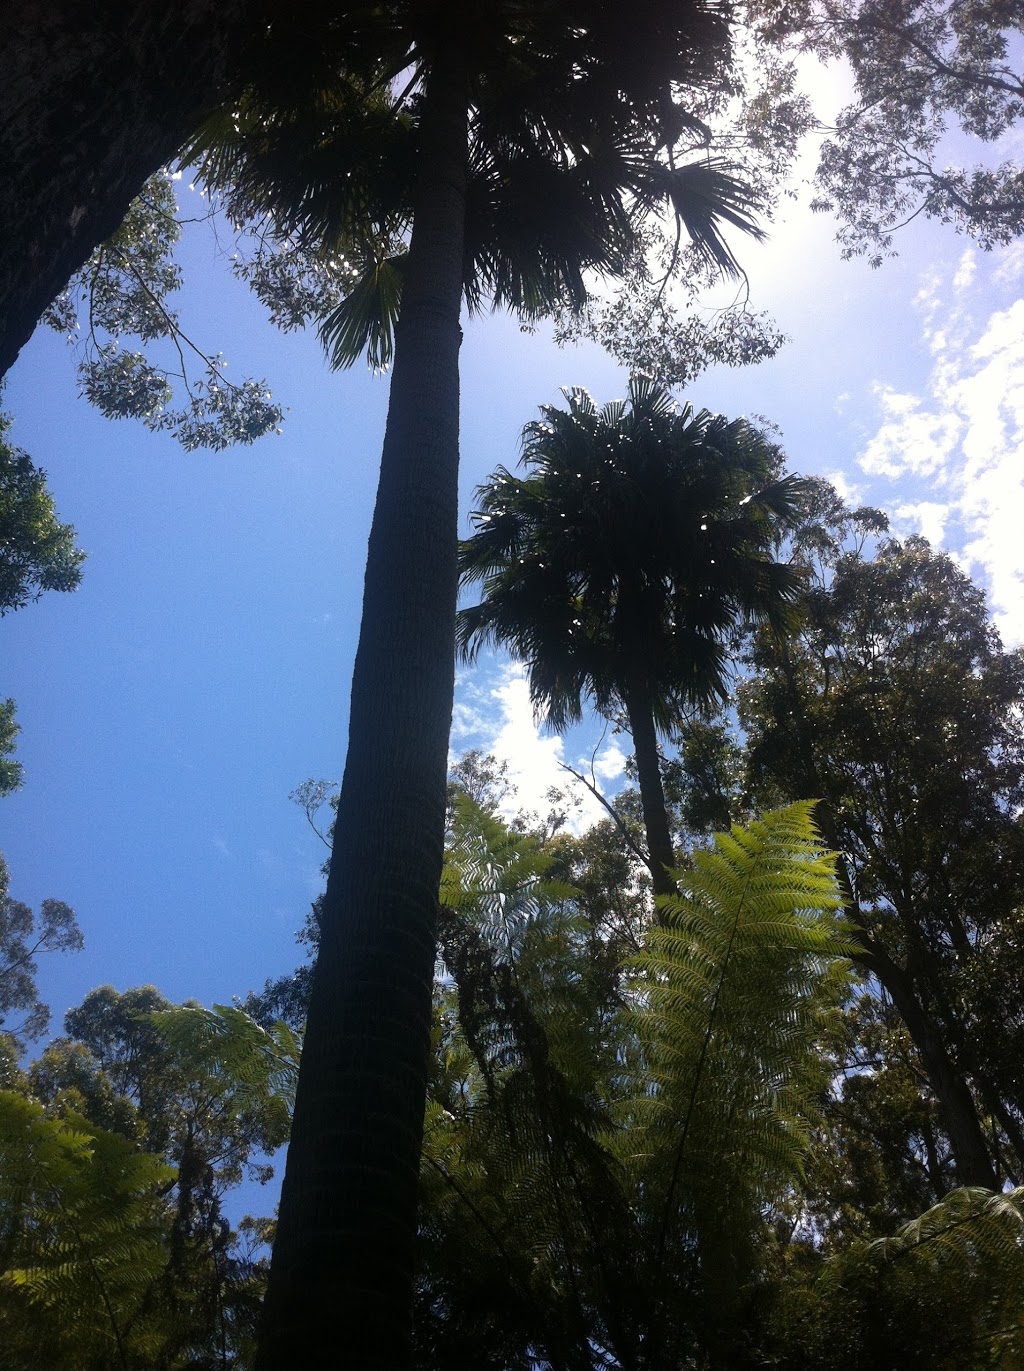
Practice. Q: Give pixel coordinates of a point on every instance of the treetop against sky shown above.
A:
(172, 703)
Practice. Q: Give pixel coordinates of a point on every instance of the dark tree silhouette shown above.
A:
(618, 566)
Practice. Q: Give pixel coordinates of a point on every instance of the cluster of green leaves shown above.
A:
(601, 1142)
(124, 291)
(637, 1151)
(922, 69)
(37, 552)
(117, 1147)
(22, 937)
(637, 537)
(892, 699)
(83, 1243)
(656, 1162)
(896, 703)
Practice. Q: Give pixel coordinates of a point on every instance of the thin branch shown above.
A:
(631, 842)
(175, 331)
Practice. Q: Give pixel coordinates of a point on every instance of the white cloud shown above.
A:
(926, 517)
(965, 272)
(912, 438)
(494, 713)
(1010, 265)
(846, 489)
(610, 762)
(965, 435)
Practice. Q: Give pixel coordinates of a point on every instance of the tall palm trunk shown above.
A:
(341, 1275)
(652, 794)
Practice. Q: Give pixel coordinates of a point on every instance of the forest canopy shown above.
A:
(729, 1076)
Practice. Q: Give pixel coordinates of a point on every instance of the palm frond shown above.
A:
(705, 195)
(365, 320)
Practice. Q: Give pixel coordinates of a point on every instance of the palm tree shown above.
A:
(499, 157)
(618, 567)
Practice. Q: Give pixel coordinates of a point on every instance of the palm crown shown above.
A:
(638, 540)
(618, 566)
(575, 128)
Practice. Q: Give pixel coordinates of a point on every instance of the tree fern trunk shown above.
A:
(652, 793)
(341, 1276)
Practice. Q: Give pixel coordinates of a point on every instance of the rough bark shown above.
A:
(94, 98)
(341, 1275)
(652, 793)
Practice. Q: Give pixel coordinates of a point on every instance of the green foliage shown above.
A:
(549, 198)
(123, 291)
(257, 1067)
(37, 552)
(12, 773)
(180, 1103)
(639, 536)
(727, 998)
(599, 1153)
(207, 1087)
(730, 1002)
(881, 1156)
(82, 1241)
(897, 704)
(649, 332)
(922, 69)
(944, 1292)
(23, 937)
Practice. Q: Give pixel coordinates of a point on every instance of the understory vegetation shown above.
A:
(770, 1118)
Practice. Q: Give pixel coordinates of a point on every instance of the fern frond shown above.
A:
(728, 1000)
(969, 1224)
(88, 1230)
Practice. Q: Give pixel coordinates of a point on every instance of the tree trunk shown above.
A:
(94, 98)
(957, 1111)
(652, 794)
(342, 1271)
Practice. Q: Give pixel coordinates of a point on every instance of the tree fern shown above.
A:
(254, 1069)
(944, 1293)
(970, 1243)
(84, 1240)
(728, 999)
(594, 1172)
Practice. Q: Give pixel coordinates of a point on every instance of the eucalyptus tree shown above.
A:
(496, 154)
(922, 70)
(897, 705)
(617, 568)
(23, 936)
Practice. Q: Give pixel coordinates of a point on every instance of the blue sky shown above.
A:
(202, 671)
